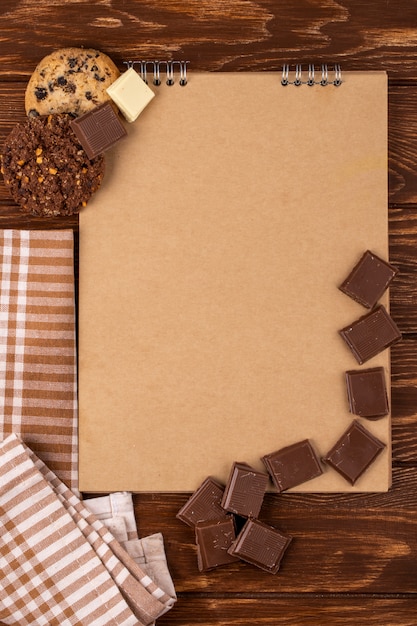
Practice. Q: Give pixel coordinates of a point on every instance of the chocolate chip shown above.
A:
(40, 93)
(88, 95)
(61, 80)
(70, 88)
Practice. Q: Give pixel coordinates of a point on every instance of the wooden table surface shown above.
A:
(354, 557)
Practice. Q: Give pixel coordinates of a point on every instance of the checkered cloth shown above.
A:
(59, 565)
(38, 393)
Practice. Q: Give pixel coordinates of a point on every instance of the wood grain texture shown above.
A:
(296, 610)
(354, 556)
(214, 34)
(402, 148)
(363, 543)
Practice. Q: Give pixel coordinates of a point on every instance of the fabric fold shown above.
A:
(117, 513)
(59, 565)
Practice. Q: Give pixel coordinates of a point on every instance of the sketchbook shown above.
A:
(210, 260)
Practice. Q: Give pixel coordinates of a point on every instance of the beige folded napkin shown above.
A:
(117, 513)
(38, 383)
(59, 565)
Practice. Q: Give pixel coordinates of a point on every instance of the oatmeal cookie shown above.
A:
(70, 80)
(46, 169)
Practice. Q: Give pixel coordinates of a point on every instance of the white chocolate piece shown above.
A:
(131, 94)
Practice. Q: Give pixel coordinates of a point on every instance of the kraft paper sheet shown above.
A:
(209, 269)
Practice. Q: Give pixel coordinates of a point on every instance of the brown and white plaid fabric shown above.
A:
(38, 392)
(59, 565)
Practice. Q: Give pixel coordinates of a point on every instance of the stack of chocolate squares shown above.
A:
(216, 512)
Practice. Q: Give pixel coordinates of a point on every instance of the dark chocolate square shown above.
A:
(261, 545)
(371, 334)
(293, 465)
(354, 452)
(98, 129)
(245, 490)
(213, 540)
(204, 504)
(368, 280)
(367, 392)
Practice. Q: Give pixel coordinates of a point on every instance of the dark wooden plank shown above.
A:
(404, 401)
(403, 254)
(239, 35)
(291, 611)
(402, 144)
(361, 543)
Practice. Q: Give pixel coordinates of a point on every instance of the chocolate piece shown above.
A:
(245, 490)
(354, 452)
(261, 545)
(367, 392)
(368, 279)
(213, 540)
(293, 465)
(98, 130)
(371, 334)
(204, 504)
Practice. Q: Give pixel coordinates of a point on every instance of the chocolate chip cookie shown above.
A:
(70, 80)
(46, 169)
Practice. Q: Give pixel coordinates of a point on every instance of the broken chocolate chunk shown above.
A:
(354, 452)
(369, 279)
(371, 334)
(293, 465)
(261, 545)
(41, 93)
(367, 392)
(204, 504)
(213, 539)
(245, 490)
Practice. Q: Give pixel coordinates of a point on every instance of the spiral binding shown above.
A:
(154, 68)
(312, 76)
